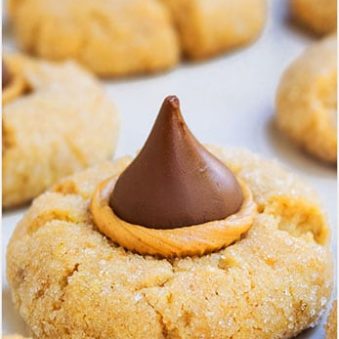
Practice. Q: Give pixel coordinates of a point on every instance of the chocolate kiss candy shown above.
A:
(174, 181)
(6, 76)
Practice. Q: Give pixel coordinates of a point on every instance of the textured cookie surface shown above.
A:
(112, 37)
(63, 122)
(122, 37)
(319, 16)
(307, 100)
(331, 325)
(70, 281)
(207, 28)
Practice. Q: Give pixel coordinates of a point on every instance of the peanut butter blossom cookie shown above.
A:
(122, 37)
(56, 120)
(319, 16)
(180, 242)
(307, 100)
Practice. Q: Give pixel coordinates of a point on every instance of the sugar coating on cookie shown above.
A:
(307, 100)
(331, 324)
(62, 122)
(319, 16)
(68, 280)
(112, 38)
(207, 28)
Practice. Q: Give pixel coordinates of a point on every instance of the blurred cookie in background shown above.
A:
(208, 28)
(128, 37)
(307, 100)
(57, 119)
(111, 38)
(319, 16)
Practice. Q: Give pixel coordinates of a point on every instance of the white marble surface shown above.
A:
(226, 101)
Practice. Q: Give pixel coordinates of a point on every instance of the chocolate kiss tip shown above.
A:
(170, 106)
(174, 181)
(173, 101)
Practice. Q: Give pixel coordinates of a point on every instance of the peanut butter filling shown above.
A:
(177, 242)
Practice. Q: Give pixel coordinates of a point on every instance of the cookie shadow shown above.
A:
(309, 333)
(295, 156)
(10, 317)
(21, 208)
(297, 29)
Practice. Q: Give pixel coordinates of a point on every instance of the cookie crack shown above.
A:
(41, 291)
(64, 282)
(158, 285)
(298, 217)
(43, 219)
(57, 305)
(164, 328)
